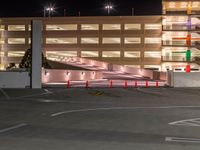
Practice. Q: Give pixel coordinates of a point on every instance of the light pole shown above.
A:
(44, 12)
(109, 7)
(49, 9)
(64, 12)
(133, 11)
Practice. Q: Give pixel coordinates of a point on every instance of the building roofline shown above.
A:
(80, 17)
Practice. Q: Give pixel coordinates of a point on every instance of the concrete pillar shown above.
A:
(36, 46)
(170, 78)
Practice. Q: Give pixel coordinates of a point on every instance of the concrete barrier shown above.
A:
(14, 79)
(183, 79)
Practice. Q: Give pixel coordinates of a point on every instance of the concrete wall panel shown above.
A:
(14, 79)
(182, 79)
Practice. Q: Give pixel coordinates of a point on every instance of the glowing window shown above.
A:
(61, 40)
(111, 40)
(172, 4)
(132, 40)
(152, 40)
(111, 26)
(184, 4)
(154, 67)
(61, 27)
(2, 41)
(132, 26)
(90, 40)
(29, 28)
(16, 27)
(89, 54)
(16, 40)
(153, 26)
(60, 54)
(2, 27)
(152, 54)
(111, 54)
(133, 66)
(2, 67)
(1, 54)
(16, 53)
(196, 5)
(89, 27)
(131, 54)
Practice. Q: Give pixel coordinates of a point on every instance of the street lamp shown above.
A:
(109, 7)
(49, 9)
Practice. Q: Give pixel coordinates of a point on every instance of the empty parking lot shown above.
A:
(100, 119)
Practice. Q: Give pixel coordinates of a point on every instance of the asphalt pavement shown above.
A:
(100, 119)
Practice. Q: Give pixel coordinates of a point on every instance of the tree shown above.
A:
(27, 60)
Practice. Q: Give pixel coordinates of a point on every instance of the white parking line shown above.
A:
(182, 140)
(32, 95)
(195, 122)
(119, 108)
(25, 96)
(47, 91)
(5, 94)
(13, 127)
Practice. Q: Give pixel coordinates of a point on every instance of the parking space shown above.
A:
(100, 119)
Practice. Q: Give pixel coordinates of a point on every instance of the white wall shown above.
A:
(74, 75)
(183, 79)
(14, 79)
(134, 71)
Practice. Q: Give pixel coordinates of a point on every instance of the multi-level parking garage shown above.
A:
(160, 43)
(181, 28)
(168, 41)
(133, 41)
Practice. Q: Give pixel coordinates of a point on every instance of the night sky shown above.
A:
(34, 8)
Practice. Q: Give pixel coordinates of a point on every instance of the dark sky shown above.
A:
(26, 8)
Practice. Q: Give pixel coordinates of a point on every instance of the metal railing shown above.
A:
(175, 58)
(176, 12)
(181, 27)
(180, 43)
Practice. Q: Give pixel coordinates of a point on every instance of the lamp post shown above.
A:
(44, 12)
(109, 7)
(49, 10)
(133, 11)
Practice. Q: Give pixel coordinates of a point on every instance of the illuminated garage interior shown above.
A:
(169, 41)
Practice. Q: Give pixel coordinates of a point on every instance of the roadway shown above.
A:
(100, 119)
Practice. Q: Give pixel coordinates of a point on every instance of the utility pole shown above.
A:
(64, 12)
(133, 12)
(44, 12)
